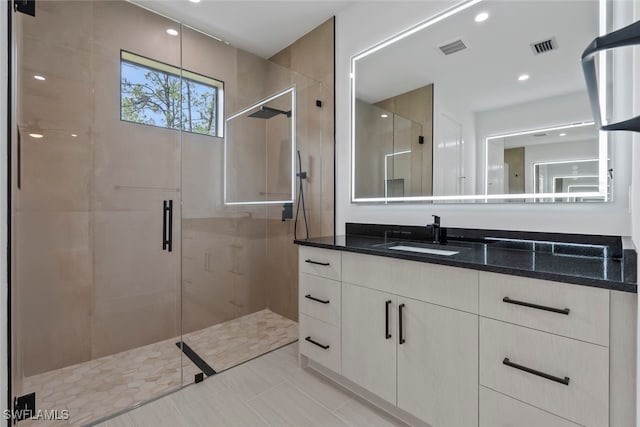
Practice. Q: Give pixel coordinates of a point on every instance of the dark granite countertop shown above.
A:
(539, 260)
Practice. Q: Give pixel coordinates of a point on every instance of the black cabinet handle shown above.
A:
(564, 380)
(317, 262)
(387, 332)
(308, 296)
(167, 225)
(324, 347)
(564, 311)
(400, 331)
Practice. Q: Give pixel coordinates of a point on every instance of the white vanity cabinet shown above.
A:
(552, 349)
(369, 339)
(456, 347)
(319, 301)
(438, 364)
(402, 340)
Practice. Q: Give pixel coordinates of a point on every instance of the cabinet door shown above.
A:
(438, 364)
(368, 352)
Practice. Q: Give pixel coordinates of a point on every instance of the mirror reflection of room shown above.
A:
(555, 160)
(394, 137)
(434, 116)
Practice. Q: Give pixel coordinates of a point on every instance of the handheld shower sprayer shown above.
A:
(301, 175)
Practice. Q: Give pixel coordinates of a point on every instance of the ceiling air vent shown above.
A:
(544, 46)
(453, 47)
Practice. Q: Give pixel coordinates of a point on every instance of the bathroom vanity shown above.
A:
(500, 332)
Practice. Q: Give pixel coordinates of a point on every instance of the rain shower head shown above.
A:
(267, 112)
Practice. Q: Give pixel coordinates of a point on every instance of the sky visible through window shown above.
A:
(160, 98)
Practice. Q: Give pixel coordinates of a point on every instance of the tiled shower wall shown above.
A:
(91, 277)
(312, 56)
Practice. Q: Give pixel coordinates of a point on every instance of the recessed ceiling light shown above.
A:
(41, 78)
(481, 17)
(523, 77)
(226, 42)
(73, 135)
(194, 1)
(172, 32)
(563, 134)
(36, 135)
(384, 116)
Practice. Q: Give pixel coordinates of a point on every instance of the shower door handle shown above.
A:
(167, 225)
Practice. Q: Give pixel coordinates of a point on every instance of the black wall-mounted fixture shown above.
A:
(287, 211)
(27, 7)
(267, 112)
(627, 36)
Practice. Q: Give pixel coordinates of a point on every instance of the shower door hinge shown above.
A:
(24, 407)
(27, 7)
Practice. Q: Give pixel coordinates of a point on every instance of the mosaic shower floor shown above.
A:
(98, 388)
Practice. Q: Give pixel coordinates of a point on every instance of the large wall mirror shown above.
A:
(483, 103)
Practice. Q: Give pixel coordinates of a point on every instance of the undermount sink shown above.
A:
(423, 250)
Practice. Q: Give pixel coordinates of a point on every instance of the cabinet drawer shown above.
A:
(320, 298)
(587, 318)
(323, 335)
(447, 286)
(498, 410)
(508, 351)
(320, 262)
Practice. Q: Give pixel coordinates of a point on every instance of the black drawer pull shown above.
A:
(310, 261)
(324, 347)
(564, 380)
(322, 301)
(564, 311)
(387, 331)
(400, 331)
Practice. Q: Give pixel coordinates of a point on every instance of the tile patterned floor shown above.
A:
(231, 343)
(267, 391)
(97, 388)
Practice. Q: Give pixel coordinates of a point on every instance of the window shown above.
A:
(153, 93)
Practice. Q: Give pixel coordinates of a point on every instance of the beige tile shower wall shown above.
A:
(135, 168)
(53, 264)
(223, 269)
(311, 56)
(223, 263)
(92, 275)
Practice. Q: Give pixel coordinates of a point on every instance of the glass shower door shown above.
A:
(97, 304)
(239, 263)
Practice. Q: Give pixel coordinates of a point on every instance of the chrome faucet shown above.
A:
(439, 234)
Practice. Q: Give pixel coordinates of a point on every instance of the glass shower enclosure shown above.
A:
(132, 274)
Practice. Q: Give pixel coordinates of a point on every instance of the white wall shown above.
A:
(364, 24)
(3, 207)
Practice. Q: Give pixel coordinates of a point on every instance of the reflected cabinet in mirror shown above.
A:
(483, 103)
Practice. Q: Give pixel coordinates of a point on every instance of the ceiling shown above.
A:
(262, 27)
(555, 136)
(484, 76)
